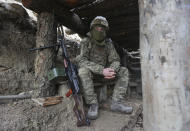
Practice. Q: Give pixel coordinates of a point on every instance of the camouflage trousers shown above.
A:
(87, 79)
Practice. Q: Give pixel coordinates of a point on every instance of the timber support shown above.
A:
(165, 52)
(46, 36)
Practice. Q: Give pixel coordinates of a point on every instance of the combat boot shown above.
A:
(119, 107)
(93, 112)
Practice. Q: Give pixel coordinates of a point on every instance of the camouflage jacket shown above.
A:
(96, 58)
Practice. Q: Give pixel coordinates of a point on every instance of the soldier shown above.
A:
(98, 58)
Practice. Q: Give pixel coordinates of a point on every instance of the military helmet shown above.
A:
(99, 20)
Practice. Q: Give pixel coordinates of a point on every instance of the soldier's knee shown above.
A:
(84, 72)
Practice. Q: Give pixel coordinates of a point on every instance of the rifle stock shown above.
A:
(79, 111)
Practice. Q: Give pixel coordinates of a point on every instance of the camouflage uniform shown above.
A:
(92, 60)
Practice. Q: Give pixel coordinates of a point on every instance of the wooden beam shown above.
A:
(62, 15)
(105, 6)
(73, 3)
(70, 20)
(38, 5)
(165, 52)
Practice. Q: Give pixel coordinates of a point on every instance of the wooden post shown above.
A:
(165, 53)
(46, 36)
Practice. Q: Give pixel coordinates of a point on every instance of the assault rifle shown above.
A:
(73, 82)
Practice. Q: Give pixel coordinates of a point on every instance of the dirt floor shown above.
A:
(26, 115)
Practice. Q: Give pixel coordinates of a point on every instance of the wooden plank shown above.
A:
(48, 100)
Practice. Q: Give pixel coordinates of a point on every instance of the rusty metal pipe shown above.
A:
(11, 97)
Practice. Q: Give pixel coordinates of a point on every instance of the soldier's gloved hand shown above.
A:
(109, 73)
